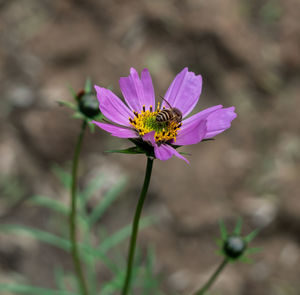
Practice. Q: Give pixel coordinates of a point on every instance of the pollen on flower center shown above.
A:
(145, 122)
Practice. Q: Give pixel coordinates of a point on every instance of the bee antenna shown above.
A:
(166, 101)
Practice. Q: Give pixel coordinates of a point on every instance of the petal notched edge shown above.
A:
(194, 129)
(184, 91)
(138, 92)
(199, 116)
(219, 121)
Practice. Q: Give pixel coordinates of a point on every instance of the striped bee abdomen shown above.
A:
(164, 116)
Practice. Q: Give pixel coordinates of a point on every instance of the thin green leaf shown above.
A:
(98, 118)
(251, 236)
(113, 286)
(37, 234)
(73, 92)
(219, 242)
(67, 104)
(131, 150)
(24, 289)
(54, 240)
(184, 153)
(59, 277)
(223, 230)
(107, 200)
(71, 281)
(78, 115)
(88, 85)
(94, 185)
(150, 282)
(219, 253)
(50, 203)
(238, 227)
(253, 250)
(111, 265)
(143, 146)
(246, 259)
(64, 177)
(92, 127)
(121, 235)
(150, 259)
(58, 207)
(91, 273)
(103, 257)
(91, 276)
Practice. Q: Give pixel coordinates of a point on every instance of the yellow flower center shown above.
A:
(145, 122)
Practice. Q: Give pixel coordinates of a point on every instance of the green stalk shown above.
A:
(135, 226)
(212, 278)
(72, 220)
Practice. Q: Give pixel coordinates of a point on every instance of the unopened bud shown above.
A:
(234, 247)
(88, 104)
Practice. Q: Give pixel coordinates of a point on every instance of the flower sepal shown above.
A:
(234, 247)
(130, 150)
(141, 147)
(86, 106)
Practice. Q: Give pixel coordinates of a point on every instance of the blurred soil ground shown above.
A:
(248, 53)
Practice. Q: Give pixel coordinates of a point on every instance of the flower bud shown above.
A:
(234, 247)
(88, 104)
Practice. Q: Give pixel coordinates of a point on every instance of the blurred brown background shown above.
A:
(248, 53)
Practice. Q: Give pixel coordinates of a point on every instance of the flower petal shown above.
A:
(184, 91)
(138, 92)
(149, 96)
(117, 131)
(192, 134)
(150, 137)
(199, 116)
(193, 129)
(219, 121)
(165, 152)
(112, 107)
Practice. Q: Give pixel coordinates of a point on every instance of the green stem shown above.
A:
(212, 278)
(72, 220)
(135, 226)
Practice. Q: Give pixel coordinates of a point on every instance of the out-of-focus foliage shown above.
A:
(93, 255)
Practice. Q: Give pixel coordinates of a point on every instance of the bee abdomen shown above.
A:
(164, 116)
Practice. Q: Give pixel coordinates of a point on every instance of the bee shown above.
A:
(169, 115)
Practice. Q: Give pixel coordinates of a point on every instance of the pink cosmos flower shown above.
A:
(137, 118)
